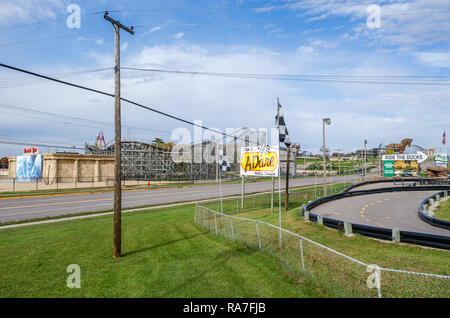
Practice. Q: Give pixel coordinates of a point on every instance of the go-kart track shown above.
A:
(385, 210)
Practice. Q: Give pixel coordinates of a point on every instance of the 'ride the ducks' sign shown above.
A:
(256, 161)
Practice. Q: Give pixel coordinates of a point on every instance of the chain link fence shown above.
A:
(338, 274)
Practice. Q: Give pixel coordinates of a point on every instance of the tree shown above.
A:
(157, 142)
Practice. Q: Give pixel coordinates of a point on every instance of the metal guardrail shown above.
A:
(429, 219)
(420, 181)
(437, 241)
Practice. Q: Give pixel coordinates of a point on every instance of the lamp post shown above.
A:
(326, 121)
(365, 158)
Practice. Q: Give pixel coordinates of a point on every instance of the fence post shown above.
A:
(37, 184)
(204, 217)
(259, 238)
(195, 215)
(237, 206)
(348, 228)
(232, 229)
(301, 253)
(215, 222)
(301, 210)
(306, 214)
(378, 278)
(320, 219)
(396, 235)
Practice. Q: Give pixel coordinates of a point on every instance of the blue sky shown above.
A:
(277, 37)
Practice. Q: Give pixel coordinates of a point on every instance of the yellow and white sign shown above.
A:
(260, 161)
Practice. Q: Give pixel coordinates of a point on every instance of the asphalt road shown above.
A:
(388, 210)
(57, 205)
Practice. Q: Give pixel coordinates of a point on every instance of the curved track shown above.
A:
(386, 210)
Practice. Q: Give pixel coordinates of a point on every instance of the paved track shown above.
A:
(388, 210)
(50, 206)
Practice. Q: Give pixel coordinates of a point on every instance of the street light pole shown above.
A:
(365, 158)
(328, 122)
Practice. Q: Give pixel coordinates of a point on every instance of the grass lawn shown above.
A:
(165, 255)
(443, 212)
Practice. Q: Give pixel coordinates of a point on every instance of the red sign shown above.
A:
(31, 150)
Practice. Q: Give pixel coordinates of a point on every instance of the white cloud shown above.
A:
(13, 11)
(124, 46)
(179, 35)
(408, 25)
(305, 50)
(433, 59)
(323, 44)
(156, 28)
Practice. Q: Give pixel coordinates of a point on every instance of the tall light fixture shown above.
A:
(326, 121)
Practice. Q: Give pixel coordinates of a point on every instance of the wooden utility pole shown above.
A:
(286, 196)
(117, 137)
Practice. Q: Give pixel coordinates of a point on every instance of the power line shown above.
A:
(11, 142)
(295, 75)
(124, 99)
(305, 78)
(15, 82)
(65, 117)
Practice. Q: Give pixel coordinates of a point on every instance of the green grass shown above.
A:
(302, 161)
(165, 254)
(443, 211)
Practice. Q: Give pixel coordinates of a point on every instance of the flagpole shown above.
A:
(279, 168)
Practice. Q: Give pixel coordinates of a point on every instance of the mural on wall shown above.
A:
(28, 168)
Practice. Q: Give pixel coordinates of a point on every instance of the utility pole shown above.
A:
(117, 137)
(286, 196)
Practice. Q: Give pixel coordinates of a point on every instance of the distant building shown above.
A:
(370, 153)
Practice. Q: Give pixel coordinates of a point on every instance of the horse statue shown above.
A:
(400, 148)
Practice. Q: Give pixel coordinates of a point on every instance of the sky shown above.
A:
(308, 38)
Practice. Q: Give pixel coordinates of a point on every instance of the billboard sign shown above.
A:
(260, 161)
(28, 168)
(441, 160)
(402, 164)
(419, 157)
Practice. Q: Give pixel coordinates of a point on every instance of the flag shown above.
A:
(281, 125)
(223, 162)
(443, 138)
(263, 150)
